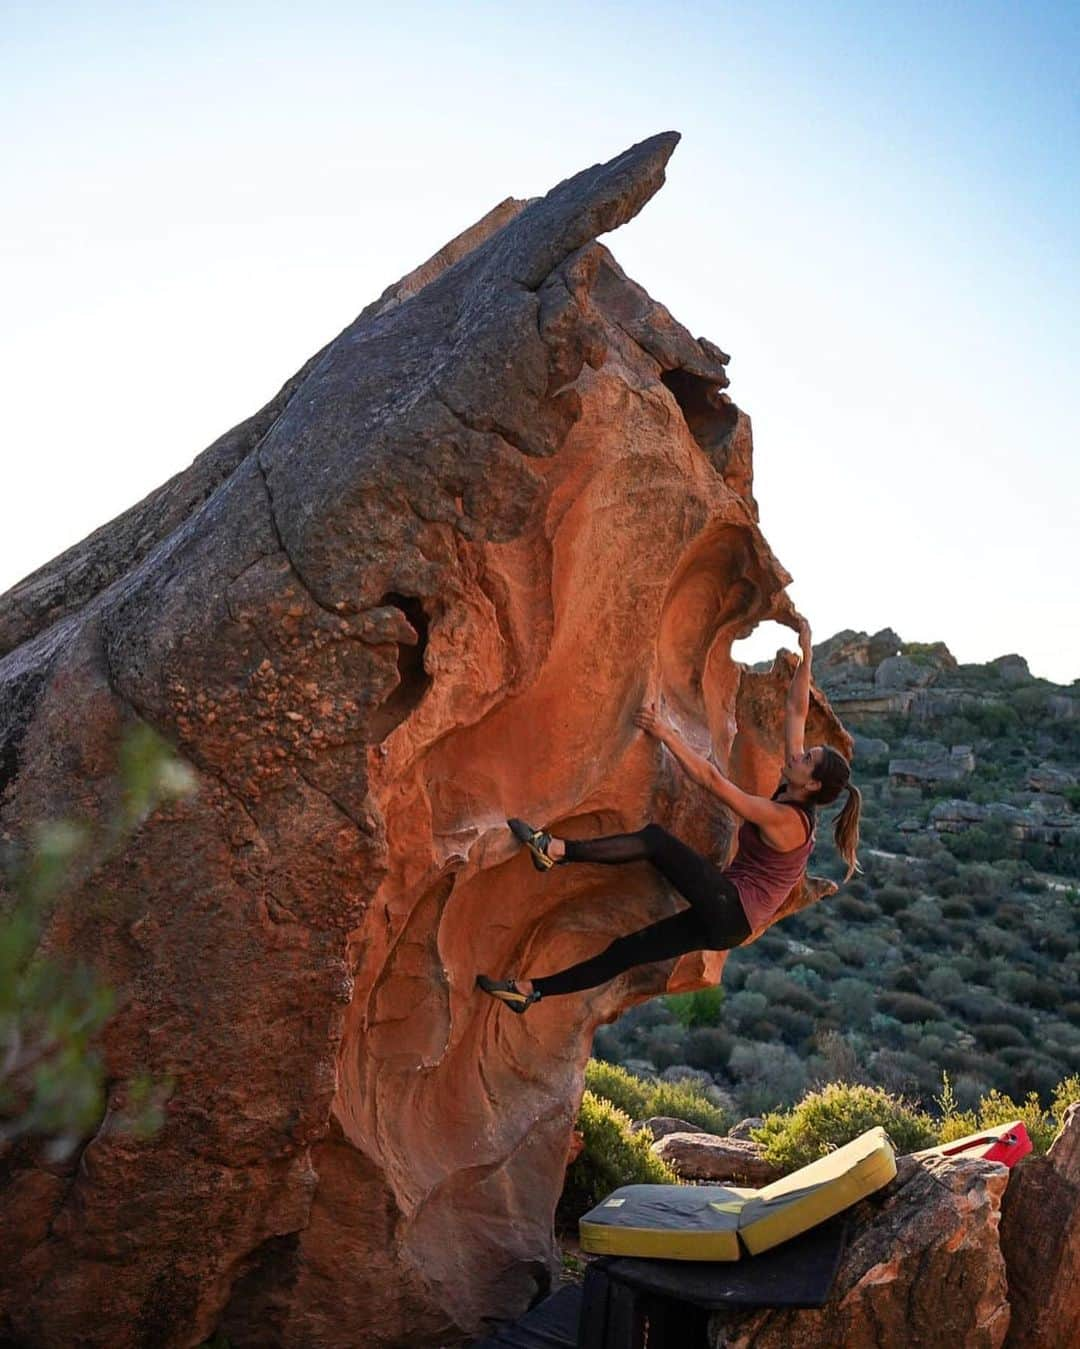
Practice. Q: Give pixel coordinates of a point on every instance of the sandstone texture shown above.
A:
(421, 590)
(1040, 1236)
(923, 1270)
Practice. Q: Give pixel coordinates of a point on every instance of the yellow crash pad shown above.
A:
(714, 1222)
(667, 1222)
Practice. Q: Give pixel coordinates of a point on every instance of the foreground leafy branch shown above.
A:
(52, 1008)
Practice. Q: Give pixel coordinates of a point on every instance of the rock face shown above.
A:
(422, 589)
(922, 1269)
(1040, 1236)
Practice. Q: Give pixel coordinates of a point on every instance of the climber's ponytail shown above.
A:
(846, 830)
(834, 774)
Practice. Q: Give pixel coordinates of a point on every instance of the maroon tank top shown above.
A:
(765, 876)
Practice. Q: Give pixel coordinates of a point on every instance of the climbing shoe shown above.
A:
(507, 991)
(536, 840)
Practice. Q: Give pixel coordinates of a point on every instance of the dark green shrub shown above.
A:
(957, 909)
(855, 910)
(612, 1156)
(1037, 1076)
(708, 1047)
(767, 1075)
(829, 1118)
(909, 1007)
(975, 1004)
(901, 1072)
(778, 986)
(823, 963)
(854, 1001)
(993, 1036)
(794, 1026)
(893, 898)
(908, 979)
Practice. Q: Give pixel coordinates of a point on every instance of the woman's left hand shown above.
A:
(647, 718)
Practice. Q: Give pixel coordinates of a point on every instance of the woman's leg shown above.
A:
(669, 937)
(715, 920)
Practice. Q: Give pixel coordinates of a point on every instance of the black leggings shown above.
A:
(715, 920)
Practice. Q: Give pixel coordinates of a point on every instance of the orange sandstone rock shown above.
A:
(420, 591)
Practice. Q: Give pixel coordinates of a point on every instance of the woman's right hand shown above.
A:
(805, 642)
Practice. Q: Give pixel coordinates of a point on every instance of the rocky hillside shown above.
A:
(956, 950)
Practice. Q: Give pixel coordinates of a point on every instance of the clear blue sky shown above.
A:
(873, 209)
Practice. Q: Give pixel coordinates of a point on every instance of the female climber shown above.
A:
(727, 906)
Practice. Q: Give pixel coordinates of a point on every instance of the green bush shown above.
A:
(702, 1007)
(685, 1100)
(827, 1119)
(612, 1156)
(794, 1026)
(998, 1108)
(639, 1099)
(54, 1009)
(615, 1084)
(778, 986)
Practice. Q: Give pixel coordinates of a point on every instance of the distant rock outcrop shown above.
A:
(422, 589)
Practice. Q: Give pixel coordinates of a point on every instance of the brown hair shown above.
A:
(834, 774)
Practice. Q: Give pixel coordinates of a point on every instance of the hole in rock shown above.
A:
(414, 680)
(710, 420)
(763, 644)
(9, 762)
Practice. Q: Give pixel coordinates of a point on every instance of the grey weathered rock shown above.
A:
(745, 1126)
(1047, 778)
(933, 763)
(869, 747)
(1013, 669)
(1035, 826)
(662, 1125)
(901, 672)
(855, 648)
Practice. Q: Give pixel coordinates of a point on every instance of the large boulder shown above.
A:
(1040, 1237)
(922, 1270)
(1013, 669)
(702, 1156)
(902, 672)
(421, 590)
